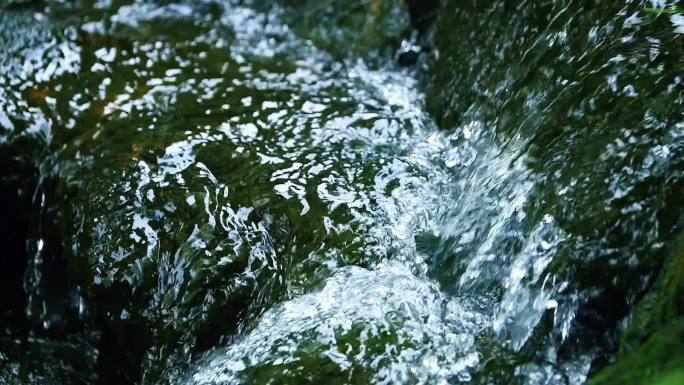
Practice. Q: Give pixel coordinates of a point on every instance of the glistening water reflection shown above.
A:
(248, 201)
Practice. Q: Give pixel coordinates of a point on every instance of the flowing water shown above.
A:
(253, 193)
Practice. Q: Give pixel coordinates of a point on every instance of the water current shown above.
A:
(251, 193)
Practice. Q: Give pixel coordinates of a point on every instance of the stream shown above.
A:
(254, 192)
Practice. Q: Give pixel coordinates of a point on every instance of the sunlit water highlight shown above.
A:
(269, 212)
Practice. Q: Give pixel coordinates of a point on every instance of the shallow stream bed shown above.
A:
(328, 192)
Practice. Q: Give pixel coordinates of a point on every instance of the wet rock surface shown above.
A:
(226, 192)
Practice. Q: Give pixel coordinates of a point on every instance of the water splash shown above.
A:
(258, 208)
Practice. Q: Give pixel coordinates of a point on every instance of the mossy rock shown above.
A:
(652, 348)
(662, 304)
(657, 362)
(365, 28)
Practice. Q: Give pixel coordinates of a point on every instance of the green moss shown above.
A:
(662, 304)
(366, 28)
(652, 349)
(657, 361)
(675, 377)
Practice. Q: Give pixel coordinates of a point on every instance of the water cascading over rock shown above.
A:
(228, 192)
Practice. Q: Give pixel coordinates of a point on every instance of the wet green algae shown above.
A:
(651, 350)
(482, 73)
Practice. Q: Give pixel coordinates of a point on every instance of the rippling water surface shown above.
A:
(247, 195)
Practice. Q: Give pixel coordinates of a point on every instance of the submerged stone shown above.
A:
(255, 193)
